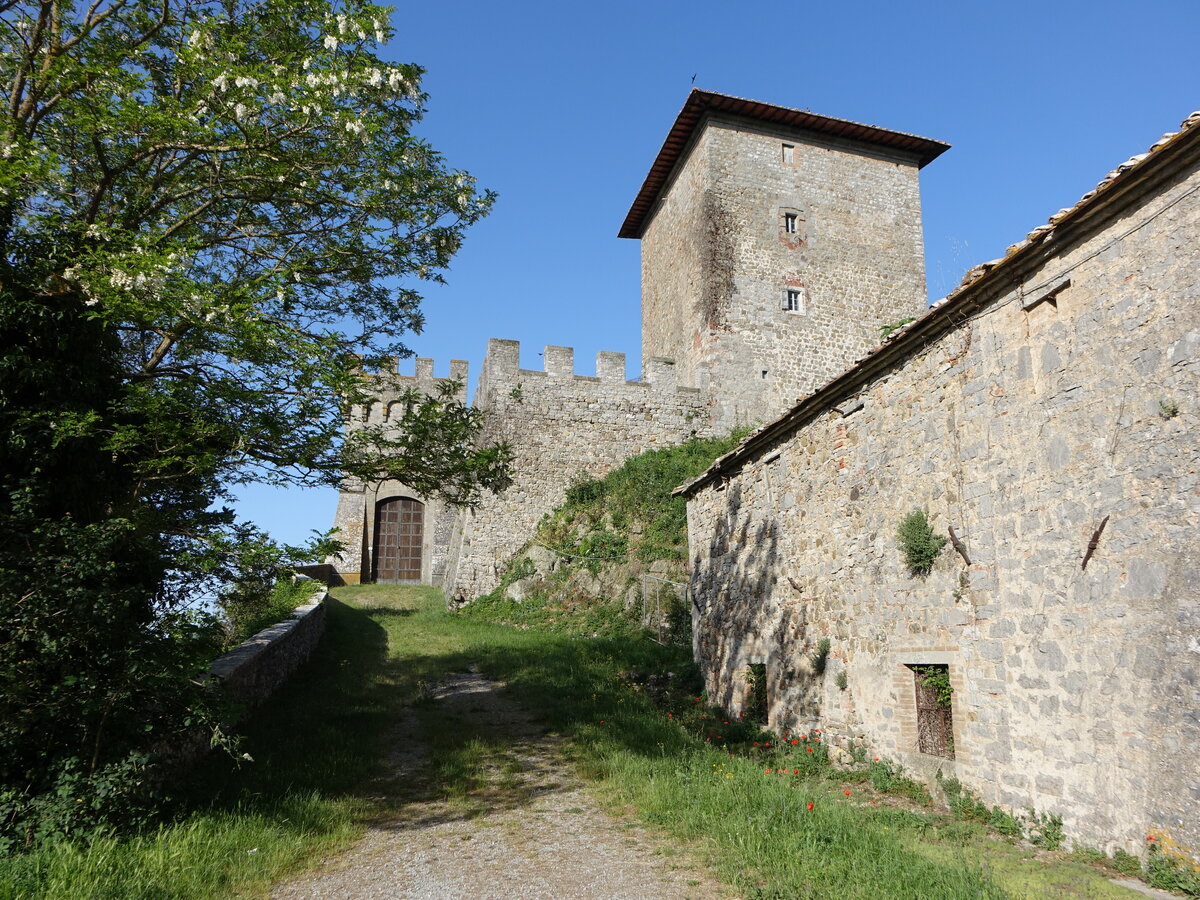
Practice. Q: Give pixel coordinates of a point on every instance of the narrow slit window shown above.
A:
(789, 223)
(789, 154)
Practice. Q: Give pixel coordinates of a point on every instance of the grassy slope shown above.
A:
(318, 744)
(607, 533)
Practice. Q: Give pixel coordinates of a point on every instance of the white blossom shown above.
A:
(375, 78)
(221, 82)
(246, 81)
(330, 42)
(277, 98)
(240, 111)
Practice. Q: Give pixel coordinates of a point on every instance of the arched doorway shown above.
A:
(399, 537)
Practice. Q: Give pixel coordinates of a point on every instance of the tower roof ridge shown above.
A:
(700, 102)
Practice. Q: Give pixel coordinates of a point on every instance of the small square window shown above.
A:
(789, 154)
(789, 223)
(793, 299)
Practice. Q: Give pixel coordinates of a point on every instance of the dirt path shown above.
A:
(526, 830)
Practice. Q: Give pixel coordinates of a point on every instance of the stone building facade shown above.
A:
(412, 530)
(1046, 412)
(775, 242)
(560, 425)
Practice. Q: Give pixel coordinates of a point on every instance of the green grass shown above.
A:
(656, 751)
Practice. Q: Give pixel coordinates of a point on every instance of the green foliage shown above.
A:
(585, 490)
(639, 491)
(843, 680)
(212, 217)
(1170, 873)
(885, 330)
(937, 679)
(820, 656)
(1126, 863)
(917, 540)
(1045, 830)
(1168, 408)
(245, 611)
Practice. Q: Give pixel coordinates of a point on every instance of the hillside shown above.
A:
(612, 558)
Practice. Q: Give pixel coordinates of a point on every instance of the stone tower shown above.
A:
(775, 244)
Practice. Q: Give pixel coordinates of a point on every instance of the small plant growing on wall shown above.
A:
(918, 542)
(820, 657)
(1168, 408)
(843, 680)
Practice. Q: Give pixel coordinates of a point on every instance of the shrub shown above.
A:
(918, 542)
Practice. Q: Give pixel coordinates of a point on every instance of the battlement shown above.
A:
(503, 364)
(391, 383)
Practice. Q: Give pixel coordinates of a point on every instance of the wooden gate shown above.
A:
(399, 535)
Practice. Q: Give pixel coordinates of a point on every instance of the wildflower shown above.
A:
(756, 743)
(809, 749)
(601, 721)
(768, 772)
(846, 792)
(768, 744)
(810, 806)
(795, 741)
(670, 715)
(1151, 837)
(877, 759)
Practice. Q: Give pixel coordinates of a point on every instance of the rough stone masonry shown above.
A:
(1046, 411)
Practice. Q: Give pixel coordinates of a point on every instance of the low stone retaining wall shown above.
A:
(255, 669)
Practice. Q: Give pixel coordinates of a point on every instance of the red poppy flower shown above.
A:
(756, 743)
(877, 759)
(809, 749)
(795, 741)
(810, 806)
(846, 792)
(768, 744)
(766, 771)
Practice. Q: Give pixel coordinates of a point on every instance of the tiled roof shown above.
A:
(699, 103)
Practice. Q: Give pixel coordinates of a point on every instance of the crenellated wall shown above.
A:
(559, 425)
(357, 502)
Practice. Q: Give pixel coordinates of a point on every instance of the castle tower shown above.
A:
(775, 244)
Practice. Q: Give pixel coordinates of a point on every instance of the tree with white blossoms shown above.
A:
(212, 217)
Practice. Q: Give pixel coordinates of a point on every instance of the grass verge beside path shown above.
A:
(320, 744)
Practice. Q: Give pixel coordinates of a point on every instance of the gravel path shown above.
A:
(527, 831)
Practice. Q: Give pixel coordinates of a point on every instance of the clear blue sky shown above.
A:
(561, 108)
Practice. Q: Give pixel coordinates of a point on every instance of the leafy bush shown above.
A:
(1170, 873)
(917, 540)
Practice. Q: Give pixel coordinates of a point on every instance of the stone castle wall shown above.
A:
(559, 425)
(355, 515)
(1034, 419)
(716, 260)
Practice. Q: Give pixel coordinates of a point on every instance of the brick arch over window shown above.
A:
(399, 540)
